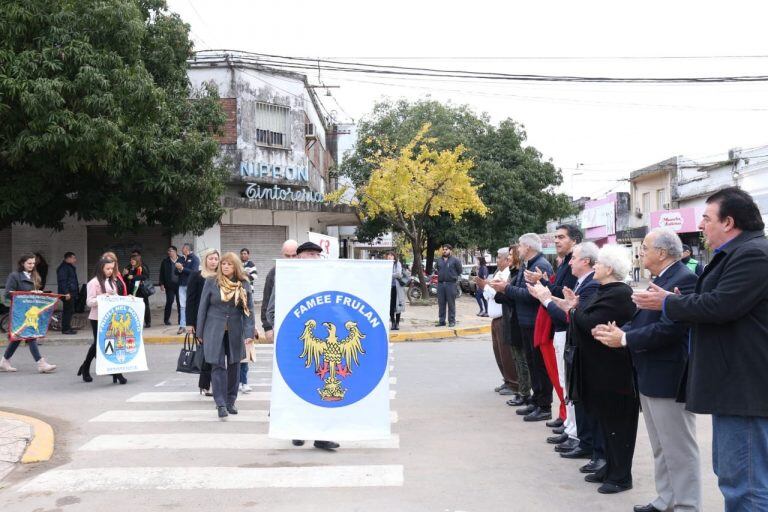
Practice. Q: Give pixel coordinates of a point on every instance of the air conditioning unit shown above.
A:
(638, 213)
(665, 206)
(309, 131)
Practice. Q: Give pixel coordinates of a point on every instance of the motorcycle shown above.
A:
(414, 288)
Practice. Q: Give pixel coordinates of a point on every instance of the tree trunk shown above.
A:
(418, 269)
(431, 248)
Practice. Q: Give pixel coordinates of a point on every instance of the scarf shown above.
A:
(233, 290)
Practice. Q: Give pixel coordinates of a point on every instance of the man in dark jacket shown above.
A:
(185, 268)
(659, 349)
(288, 251)
(448, 270)
(526, 306)
(66, 278)
(169, 283)
(728, 354)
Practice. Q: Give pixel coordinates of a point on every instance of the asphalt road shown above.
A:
(457, 446)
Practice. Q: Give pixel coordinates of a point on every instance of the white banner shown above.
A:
(119, 337)
(329, 244)
(331, 364)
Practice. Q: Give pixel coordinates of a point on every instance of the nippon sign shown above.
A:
(249, 169)
(682, 220)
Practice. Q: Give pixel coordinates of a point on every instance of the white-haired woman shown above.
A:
(602, 376)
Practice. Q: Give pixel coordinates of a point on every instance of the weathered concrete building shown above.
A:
(280, 146)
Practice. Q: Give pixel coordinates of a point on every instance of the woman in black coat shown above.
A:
(210, 263)
(602, 378)
(134, 275)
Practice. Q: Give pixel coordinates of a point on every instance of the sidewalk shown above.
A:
(417, 323)
(23, 439)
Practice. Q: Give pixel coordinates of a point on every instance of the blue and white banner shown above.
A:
(119, 342)
(30, 314)
(330, 369)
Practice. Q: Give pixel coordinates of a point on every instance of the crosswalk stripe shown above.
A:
(227, 441)
(191, 396)
(189, 416)
(166, 478)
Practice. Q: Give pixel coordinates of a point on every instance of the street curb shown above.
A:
(40, 448)
(437, 334)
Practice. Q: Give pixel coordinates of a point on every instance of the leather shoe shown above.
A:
(593, 466)
(231, 409)
(70, 332)
(528, 409)
(326, 445)
(577, 453)
(298, 442)
(516, 401)
(645, 508)
(558, 430)
(607, 488)
(555, 423)
(595, 478)
(222, 411)
(557, 439)
(567, 446)
(538, 415)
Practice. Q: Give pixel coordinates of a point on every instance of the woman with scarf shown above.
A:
(225, 323)
(210, 263)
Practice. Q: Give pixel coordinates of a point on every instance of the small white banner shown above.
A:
(119, 341)
(329, 244)
(331, 372)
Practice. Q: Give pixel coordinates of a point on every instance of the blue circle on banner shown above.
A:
(119, 338)
(332, 330)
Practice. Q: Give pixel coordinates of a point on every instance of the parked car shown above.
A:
(471, 285)
(466, 283)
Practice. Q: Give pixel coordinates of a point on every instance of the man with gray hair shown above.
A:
(500, 327)
(287, 251)
(659, 349)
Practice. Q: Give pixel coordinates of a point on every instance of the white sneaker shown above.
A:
(44, 367)
(245, 388)
(5, 366)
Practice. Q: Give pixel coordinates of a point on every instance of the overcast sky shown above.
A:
(604, 131)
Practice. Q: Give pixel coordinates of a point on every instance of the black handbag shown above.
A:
(147, 289)
(190, 355)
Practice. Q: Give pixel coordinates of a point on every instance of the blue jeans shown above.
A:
(182, 306)
(243, 373)
(740, 461)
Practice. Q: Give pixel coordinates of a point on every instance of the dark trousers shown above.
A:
(588, 431)
(392, 302)
(91, 355)
(171, 295)
(540, 383)
(481, 301)
(446, 296)
(618, 422)
(503, 354)
(31, 343)
(147, 312)
(67, 310)
(225, 376)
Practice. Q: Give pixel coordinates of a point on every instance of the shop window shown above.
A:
(661, 199)
(646, 202)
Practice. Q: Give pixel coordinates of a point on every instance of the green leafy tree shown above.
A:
(98, 120)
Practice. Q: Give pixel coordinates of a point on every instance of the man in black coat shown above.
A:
(288, 251)
(659, 349)
(727, 372)
(169, 283)
(66, 280)
(448, 270)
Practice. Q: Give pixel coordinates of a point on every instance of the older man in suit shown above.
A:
(659, 349)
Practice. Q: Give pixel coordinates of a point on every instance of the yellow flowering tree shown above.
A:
(416, 182)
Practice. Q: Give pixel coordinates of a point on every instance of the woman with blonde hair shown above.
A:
(225, 323)
(209, 266)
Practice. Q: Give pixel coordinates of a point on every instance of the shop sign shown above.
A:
(683, 220)
(256, 191)
(249, 169)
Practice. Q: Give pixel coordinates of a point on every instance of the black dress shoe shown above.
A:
(231, 409)
(595, 478)
(222, 411)
(298, 442)
(516, 401)
(555, 423)
(528, 409)
(558, 430)
(326, 445)
(69, 331)
(607, 488)
(538, 415)
(577, 453)
(557, 439)
(593, 466)
(567, 446)
(645, 508)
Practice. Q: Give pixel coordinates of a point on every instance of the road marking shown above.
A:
(189, 416)
(192, 396)
(227, 441)
(166, 478)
